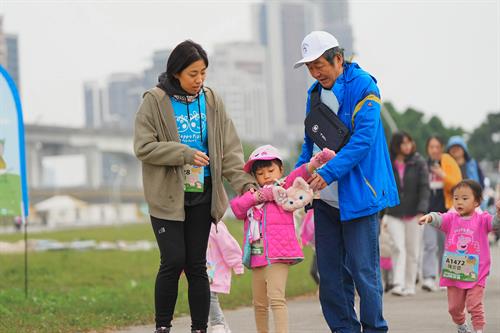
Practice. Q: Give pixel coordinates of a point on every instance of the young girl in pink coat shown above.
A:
(223, 255)
(466, 260)
(270, 242)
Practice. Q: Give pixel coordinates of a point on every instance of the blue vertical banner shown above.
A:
(13, 182)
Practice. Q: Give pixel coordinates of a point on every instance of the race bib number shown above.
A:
(461, 267)
(257, 248)
(193, 178)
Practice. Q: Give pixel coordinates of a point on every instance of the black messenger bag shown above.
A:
(323, 126)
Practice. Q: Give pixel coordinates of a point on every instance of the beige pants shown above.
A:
(268, 288)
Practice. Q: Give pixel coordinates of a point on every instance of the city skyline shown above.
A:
(447, 67)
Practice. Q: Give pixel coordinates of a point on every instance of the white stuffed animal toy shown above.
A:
(295, 197)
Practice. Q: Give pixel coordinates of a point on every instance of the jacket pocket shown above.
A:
(372, 189)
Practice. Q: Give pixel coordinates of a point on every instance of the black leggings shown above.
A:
(183, 246)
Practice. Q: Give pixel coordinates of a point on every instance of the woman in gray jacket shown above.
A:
(187, 144)
(412, 179)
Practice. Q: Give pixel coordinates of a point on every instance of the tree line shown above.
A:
(483, 142)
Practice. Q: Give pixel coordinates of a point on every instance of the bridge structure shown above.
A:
(110, 167)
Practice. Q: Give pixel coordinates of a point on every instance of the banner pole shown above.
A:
(25, 224)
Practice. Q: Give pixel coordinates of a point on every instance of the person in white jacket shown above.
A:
(223, 254)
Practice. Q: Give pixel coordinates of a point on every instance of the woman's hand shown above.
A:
(200, 159)
(436, 169)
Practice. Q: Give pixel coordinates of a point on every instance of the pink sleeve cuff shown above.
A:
(239, 269)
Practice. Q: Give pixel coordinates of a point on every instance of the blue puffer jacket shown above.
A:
(473, 171)
(363, 167)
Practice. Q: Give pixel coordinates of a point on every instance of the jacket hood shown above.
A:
(458, 141)
(352, 71)
(171, 86)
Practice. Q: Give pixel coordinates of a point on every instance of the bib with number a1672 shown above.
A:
(460, 266)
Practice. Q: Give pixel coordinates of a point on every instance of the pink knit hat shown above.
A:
(262, 153)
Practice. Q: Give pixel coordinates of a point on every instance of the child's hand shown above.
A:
(264, 194)
(498, 208)
(425, 219)
(322, 157)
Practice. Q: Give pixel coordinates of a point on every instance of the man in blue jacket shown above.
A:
(355, 185)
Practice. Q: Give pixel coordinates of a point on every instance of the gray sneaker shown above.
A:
(464, 328)
(162, 330)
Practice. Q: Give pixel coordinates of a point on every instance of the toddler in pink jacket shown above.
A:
(270, 242)
(223, 255)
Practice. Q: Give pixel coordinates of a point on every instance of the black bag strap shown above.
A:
(315, 98)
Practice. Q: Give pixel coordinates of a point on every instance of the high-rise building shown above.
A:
(122, 99)
(280, 27)
(92, 95)
(237, 72)
(334, 18)
(9, 54)
(114, 104)
(158, 66)
(12, 63)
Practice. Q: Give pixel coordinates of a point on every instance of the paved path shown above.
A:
(424, 312)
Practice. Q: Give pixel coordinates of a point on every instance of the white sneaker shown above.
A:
(429, 285)
(398, 291)
(410, 292)
(218, 329)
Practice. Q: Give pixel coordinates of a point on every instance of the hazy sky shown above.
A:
(440, 57)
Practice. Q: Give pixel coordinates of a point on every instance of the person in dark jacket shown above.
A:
(412, 180)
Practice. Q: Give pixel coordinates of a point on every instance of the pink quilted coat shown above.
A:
(280, 242)
(223, 254)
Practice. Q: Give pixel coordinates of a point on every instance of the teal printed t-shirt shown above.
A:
(188, 124)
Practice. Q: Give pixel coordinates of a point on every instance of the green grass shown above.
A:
(71, 291)
(129, 232)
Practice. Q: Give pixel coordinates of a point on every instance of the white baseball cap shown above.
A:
(314, 45)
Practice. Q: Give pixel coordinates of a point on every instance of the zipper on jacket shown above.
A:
(267, 240)
(370, 186)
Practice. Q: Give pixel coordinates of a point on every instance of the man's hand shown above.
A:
(425, 219)
(316, 182)
(200, 159)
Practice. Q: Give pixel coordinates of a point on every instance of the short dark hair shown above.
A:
(477, 191)
(397, 140)
(184, 55)
(330, 54)
(265, 163)
(434, 137)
